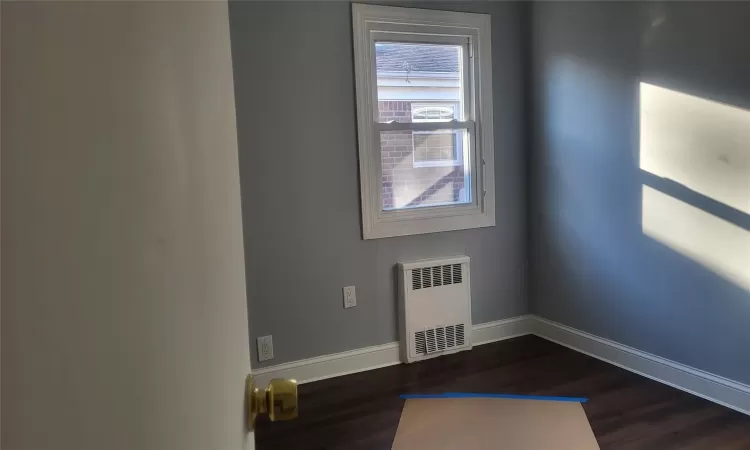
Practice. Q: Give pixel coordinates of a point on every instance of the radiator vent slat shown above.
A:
(416, 279)
(427, 277)
(431, 342)
(457, 273)
(440, 339)
(437, 276)
(450, 336)
(447, 275)
(419, 342)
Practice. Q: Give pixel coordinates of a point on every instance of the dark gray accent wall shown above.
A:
(592, 266)
(294, 83)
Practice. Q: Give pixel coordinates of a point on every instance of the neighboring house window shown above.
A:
(439, 148)
(424, 113)
(433, 113)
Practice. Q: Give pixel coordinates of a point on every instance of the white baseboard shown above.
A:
(344, 363)
(485, 333)
(712, 387)
(329, 366)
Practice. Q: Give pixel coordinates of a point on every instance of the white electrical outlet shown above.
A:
(350, 297)
(265, 348)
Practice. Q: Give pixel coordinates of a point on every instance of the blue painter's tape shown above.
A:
(514, 396)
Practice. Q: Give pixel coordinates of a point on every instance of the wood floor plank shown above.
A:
(626, 411)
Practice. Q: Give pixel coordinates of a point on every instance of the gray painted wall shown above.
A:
(296, 121)
(592, 267)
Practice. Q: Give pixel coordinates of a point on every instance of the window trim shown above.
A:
(432, 27)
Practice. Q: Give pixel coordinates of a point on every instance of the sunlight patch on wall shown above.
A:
(715, 243)
(701, 144)
(704, 146)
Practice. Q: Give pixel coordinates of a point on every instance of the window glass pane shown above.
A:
(418, 82)
(424, 168)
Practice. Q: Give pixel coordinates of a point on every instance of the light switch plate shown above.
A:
(350, 297)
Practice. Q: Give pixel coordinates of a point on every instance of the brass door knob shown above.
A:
(278, 400)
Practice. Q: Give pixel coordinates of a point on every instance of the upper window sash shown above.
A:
(419, 36)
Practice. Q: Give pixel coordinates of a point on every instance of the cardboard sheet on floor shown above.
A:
(493, 423)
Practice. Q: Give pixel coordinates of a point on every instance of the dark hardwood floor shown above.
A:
(626, 411)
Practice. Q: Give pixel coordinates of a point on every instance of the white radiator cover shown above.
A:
(435, 307)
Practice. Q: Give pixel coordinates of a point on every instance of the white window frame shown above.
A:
(385, 23)
(459, 159)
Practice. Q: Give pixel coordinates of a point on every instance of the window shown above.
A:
(424, 110)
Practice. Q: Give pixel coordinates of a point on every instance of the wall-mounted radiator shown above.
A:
(435, 307)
